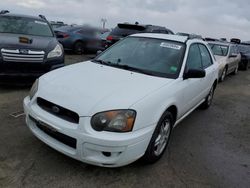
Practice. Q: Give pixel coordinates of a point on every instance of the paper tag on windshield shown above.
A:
(172, 46)
(38, 22)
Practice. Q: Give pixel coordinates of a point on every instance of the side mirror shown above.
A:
(98, 52)
(233, 55)
(194, 73)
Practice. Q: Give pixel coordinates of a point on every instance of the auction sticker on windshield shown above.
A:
(172, 46)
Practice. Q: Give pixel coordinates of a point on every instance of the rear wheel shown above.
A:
(160, 139)
(207, 103)
(79, 48)
(236, 69)
(223, 74)
(246, 65)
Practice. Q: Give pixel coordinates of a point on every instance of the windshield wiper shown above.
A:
(101, 61)
(127, 67)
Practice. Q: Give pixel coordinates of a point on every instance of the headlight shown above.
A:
(33, 89)
(114, 121)
(56, 52)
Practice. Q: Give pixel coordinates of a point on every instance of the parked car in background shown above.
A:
(56, 24)
(141, 88)
(189, 35)
(28, 46)
(228, 57)
(244, 49)
(80, 38)
(124, 29)
(103, 38)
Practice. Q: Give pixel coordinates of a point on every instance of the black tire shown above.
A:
(151, 155)
(208, 101)
(223, 75)
(246, 66)
(79, 48)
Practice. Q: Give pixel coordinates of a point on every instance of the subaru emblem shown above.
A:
(24, 51)
(55, 109)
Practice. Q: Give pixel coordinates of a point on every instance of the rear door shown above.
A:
(193, 87)
(207, 64)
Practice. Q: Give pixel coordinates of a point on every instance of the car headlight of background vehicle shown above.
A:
(56, 52)
(114, 121)
(33, 89)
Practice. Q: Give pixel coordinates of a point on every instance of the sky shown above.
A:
(209, 18)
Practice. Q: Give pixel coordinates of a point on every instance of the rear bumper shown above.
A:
(97, 148)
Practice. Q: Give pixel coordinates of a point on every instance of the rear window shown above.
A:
(27, 26)
(123, 30)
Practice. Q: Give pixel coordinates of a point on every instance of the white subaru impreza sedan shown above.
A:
(123, 105)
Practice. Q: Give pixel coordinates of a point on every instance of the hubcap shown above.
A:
(236, 70)
(210, 96)
(162, 138)
(223, 75)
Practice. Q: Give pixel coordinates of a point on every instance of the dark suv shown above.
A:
(124, 29)
(28, 46)
(244, 49)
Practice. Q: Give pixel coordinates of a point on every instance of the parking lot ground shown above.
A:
(209, 148)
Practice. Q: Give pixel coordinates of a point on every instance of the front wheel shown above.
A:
(236, 70)
(79, 48)
(160, 139)
(207, 103)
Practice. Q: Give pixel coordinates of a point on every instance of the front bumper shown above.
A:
(31, 69)
(98, 148)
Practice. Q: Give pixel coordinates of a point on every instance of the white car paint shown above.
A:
(88, 88)
(227, 62)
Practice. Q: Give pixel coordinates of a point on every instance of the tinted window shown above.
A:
(159, 57)
(218, 49)
(123, 32)
(205, 56)
(194, 58)
(27, 26)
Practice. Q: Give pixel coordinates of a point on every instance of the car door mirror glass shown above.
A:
(194, 73)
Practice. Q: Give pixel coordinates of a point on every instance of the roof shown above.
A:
(219, 43)
(23, 16)
(177, 38)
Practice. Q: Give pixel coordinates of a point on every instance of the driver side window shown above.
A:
(194, 58)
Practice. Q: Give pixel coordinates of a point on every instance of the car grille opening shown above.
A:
(58, 111)
(67, 140)
(22, 55)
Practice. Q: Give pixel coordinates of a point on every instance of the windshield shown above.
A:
(27, 26)
(156, 57)
(218, 49)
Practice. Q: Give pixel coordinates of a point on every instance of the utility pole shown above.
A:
(104, 21)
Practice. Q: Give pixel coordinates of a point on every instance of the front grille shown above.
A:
(67, 140)
(22, 55)
(58, 111)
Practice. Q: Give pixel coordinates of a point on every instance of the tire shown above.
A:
(207, 103)
(246, 66)
(79, 48)
(223, 75)
(236, 70)
(160, 139)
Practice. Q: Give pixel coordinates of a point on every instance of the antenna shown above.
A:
(42, 16)
(4, 12)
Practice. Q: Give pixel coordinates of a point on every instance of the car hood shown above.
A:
(11, 41)
(88, 88)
